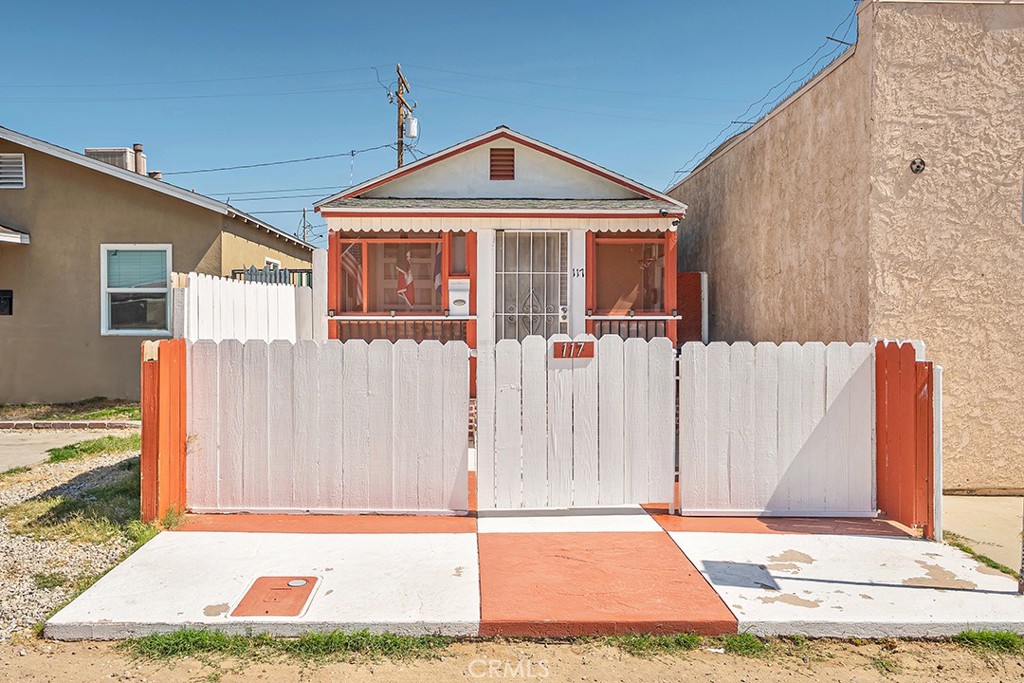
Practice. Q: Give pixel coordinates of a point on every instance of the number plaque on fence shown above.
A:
(573, 349)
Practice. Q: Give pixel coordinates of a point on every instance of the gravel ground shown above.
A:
(22, 603)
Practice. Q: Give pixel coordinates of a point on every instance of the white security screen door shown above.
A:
(531, 284)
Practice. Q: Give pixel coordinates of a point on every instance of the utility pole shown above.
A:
(305, 226)
(403, 106)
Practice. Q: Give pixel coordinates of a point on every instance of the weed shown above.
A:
(173, 518)
(959, 542)
(193, 642)
(47, 581)
(746, 644)
(885, 665)
(104, 444)
(647, 645)
(13, 471)
(1003, 642)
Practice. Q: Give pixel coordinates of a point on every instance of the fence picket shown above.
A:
(305, 450)
(693, 446)
(485, 385)
(742, 419)
(717, 469)
(355, 403)
(430, 491)
(380, 384)
(256, 484)
(455, 397)
(584, 428)
(203, 475)
(766, 424)
(611, 462)
(535, 422)
(637, 438)
(661, 416)
(282, 467)
(231, 395)
(508, 438)
(327, 403)
(559, 428)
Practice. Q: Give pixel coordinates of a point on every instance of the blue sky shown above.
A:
(640, 87)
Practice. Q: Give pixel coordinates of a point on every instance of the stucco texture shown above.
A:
(812, 226)
(51, 349)
(778, 219)
(947, 254)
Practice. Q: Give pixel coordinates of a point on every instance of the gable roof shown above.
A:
(338, 200)
(147, 182)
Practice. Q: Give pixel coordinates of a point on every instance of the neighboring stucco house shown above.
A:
(821, 222)
(499, 237)
(87, 249)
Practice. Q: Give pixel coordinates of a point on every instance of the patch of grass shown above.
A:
(960, 543)
(647, 645)
(49, 581)
(1002, 642)
(745, 644)
(886, 666)
(104, 444)
(95, 408)
(173, 518)
(96, 516)
(14, 470)
(193, 642)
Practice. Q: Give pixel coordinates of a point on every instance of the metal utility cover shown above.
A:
(272, 596)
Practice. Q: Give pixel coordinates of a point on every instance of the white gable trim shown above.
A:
(490, 136)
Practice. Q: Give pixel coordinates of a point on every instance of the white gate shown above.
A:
(332, 427)
(777, 430)
(575, 432)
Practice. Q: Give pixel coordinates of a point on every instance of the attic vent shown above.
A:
(503, 163)
(12, 171)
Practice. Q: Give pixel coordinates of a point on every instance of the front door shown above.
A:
(531, 284)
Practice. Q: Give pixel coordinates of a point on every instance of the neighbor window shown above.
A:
(136, 280)
(12, 171)
(631, 277)
(272, 262)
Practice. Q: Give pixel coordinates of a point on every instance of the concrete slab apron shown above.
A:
(400, 583)
(852, 586)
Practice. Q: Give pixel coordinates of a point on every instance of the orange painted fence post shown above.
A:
(163, 428)
(905, 413)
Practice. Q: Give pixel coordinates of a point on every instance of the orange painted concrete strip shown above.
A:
(271, 596)
(472, 492)
(331, 524)
(565, 584)
(778, 525)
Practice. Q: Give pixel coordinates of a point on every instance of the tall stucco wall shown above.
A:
(778, 218)
(947, 246)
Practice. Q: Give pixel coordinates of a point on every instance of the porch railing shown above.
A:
(298, 277)
(629, 327)
(418, 329)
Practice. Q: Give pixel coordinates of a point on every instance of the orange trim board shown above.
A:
(568, 584)
(330, 524)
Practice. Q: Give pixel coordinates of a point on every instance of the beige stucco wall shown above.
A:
(51, 349)
(874, 250)
(947, 246)
(239, 249)
(778, 219)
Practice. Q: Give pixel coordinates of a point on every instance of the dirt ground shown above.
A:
(557, 662)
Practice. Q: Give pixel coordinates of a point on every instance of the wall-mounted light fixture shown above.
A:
(917, 166)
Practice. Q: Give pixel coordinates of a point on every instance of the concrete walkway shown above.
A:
(990, 524)
(27, 447)
(543, 575)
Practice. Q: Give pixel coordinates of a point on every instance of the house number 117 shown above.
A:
(578, 272)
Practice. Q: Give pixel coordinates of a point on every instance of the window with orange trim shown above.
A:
(630, 276)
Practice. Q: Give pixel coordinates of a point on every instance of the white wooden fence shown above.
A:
(557, 433)
(328, 427)
(777, 430)
(218, 308)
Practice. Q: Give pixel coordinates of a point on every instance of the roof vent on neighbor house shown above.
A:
(128, 158)
(503, 163)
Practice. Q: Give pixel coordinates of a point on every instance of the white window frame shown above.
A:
(267, 261)
(104, 291)
(24, 172)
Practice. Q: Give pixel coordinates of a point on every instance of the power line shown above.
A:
(576, 87)
(685, 168)
(184, 82)
(362, 86)
(283, 196)
(291, 189)
(278, 163)
(564, 109)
